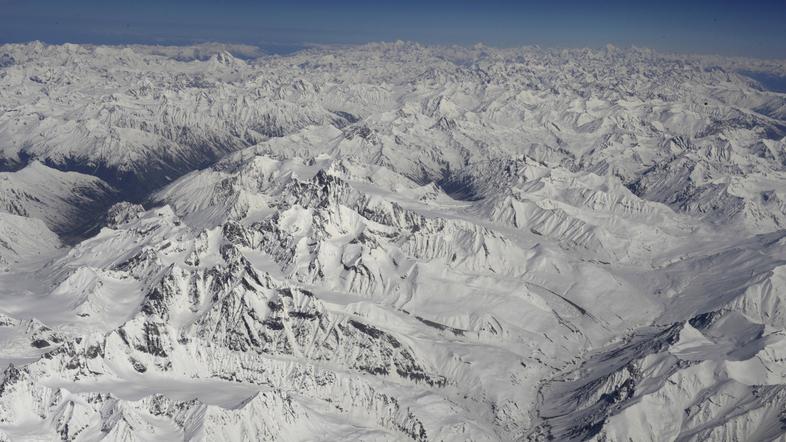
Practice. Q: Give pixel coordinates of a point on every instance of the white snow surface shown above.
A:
(390, 242)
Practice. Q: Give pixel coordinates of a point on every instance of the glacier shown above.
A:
(390, 242)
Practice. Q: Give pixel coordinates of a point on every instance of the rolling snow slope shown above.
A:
(67, 202)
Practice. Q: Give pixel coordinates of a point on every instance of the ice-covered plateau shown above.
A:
(390, 242)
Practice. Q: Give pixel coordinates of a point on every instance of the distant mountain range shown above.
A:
(390, 242)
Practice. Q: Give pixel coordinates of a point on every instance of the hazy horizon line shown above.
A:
(288, 48)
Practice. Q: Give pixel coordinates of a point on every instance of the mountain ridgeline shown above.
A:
(390, 242)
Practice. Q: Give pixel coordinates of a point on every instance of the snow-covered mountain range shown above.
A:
(390, 242)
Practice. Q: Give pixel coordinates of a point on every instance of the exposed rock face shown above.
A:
(390, 242)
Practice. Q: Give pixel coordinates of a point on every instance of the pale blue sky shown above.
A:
(754, 28)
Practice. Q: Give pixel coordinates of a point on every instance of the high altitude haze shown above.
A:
(753, 28)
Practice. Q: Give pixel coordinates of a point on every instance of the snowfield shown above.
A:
(390, 242)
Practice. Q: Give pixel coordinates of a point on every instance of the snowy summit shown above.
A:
(390, 242)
